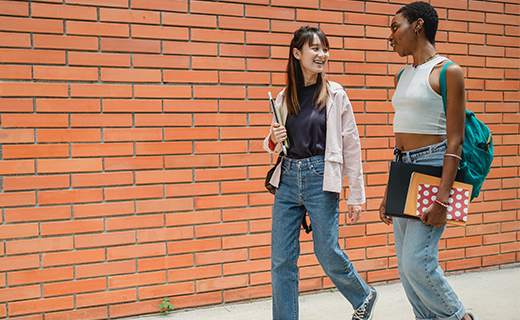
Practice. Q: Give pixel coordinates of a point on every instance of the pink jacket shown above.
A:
(342, 149)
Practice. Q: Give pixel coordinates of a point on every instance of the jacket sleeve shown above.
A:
(351, 152)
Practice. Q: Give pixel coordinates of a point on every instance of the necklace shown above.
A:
(433, 55)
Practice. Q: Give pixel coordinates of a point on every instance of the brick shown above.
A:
(71, 227)
(14, 199)
(67, 105)
(36, 151)
(227, 147)
(34, 121)
(105, 269)
(129, 16)
(151, 91)
(103, 298)
(130, 75)
(97, 29)
(134, 163)
(98, 59)
(65, 42)
(37, 214)
(100, 90)
(33, 89)
(192, 218)
(31, 25)
(220, 257)
(15, 72)
(63, 12)
(40, 276)
(132, 135)
(68, 165)
(39, 245)
(190, 48)
(161, 5)
(247, 293)
(104, 179)
(148, 278)
(104, 240)
(74, 287)
(130, 45)
(16, 294)
(135, 222)
(100, 120)
(82, 314)
(32, 56)
(40, 305)
(163, 205)
(75, 257)
(156, 148)
(190, 76)
(15, 40)
(222, 283)
(15, 105)
(169, 234)
(189, 20)
(159, 32)
(179, 247)
(101, 150)
(71, 196)
(165, 263)
(103, 209)
(225, 36)
(216, 230)
(19, 262)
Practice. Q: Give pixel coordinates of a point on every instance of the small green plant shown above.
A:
(165, 307)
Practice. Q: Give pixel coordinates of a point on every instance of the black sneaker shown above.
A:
(366, 310)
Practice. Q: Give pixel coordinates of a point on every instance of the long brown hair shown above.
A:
(294, 71)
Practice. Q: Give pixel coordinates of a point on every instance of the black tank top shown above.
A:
(306, 131)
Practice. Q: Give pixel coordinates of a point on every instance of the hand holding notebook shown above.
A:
(423, 192)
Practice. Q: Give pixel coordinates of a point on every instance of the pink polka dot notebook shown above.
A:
(423, 192)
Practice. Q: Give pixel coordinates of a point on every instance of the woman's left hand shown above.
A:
(435, 215)
(354, 213)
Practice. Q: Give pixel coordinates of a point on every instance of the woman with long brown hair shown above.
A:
(323, 147)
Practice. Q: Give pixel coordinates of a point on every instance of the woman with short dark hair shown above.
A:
(425, 134)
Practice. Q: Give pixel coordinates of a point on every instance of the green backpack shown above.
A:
(477, 151)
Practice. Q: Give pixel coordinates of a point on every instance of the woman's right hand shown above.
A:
(278, 133)
(382, 208)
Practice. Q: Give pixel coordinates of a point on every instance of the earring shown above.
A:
(416, 33)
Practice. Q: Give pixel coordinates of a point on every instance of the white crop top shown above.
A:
(418, 108)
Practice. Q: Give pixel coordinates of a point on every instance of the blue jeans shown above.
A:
(300, 190)
(417, 249)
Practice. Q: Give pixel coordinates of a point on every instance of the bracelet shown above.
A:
(453, 155)
(445, 205)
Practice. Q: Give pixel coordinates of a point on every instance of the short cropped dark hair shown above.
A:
(424, 10)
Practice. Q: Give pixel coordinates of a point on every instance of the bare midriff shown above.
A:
(412, 141)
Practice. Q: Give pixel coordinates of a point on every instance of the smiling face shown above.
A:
(402, 38)
(313, 57)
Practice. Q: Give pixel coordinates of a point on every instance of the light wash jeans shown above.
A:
(417, 249)
(300, 190)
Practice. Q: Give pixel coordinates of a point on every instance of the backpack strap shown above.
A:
(399, 75)
(442, 80)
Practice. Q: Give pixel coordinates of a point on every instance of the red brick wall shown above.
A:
(131, 146)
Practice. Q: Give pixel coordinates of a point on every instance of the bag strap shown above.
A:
(399, 75)
(442, 80)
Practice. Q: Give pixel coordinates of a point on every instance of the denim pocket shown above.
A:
(318, 168)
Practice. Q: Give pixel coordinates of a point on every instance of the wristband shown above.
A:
(445, 205)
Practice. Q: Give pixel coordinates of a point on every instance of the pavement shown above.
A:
(489, 295)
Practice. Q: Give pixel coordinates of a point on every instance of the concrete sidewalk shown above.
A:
(490, 295)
